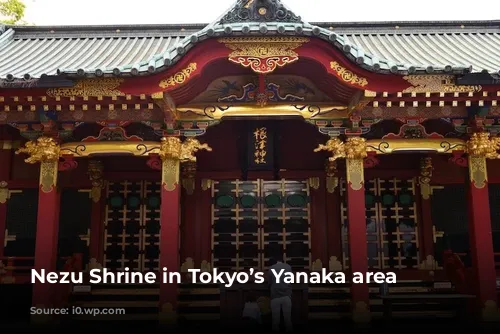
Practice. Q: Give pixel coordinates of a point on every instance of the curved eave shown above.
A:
(171, 56)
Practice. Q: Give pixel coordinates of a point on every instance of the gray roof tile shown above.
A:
(32, 52)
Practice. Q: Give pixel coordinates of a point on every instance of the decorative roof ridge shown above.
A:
(258, 11)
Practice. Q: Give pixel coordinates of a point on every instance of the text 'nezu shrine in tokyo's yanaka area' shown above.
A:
(345, 147)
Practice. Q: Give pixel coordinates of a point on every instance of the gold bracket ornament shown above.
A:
(95, 171)
(90, 87)
(354, 150)
(437, 84)
(425, 177)
(332, 181)
(481, 147)
(46, 151)
(172, 152)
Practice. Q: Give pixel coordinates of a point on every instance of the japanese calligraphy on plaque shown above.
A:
(260, 148)
(260, 144)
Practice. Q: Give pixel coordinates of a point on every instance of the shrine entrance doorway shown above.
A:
(255, 220)
(132, 226)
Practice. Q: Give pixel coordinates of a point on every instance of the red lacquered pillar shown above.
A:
(5, 167)
(169, 235)
(481, 240)
(188, 213)
(172, 152)
(45, 151)
(356, 217)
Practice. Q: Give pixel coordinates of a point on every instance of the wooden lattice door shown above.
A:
(391, 224)
(255, 220)
(132, 226)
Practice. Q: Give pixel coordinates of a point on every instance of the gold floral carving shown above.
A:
(425, 177)
(437, 84)
(172, 152)
(355, 173)
(90, 87)
(46, 151)
(4, 192)
(481, 147)
(361, 313)
(355, 152)
(95, 172)
(347, 75)
(178, 78)
(263, 54)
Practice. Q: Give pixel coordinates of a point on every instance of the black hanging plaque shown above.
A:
(260, 148)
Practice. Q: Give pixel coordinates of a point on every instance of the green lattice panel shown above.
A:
(285, 220)
(235, 225)
(391, 224)
(125, 226)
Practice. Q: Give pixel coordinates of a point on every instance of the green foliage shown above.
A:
(11, 11)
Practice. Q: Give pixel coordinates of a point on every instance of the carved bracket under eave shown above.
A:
(167, 105)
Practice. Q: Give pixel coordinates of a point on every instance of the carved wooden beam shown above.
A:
(167, 105)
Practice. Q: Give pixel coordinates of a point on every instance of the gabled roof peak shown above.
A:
(259, 11)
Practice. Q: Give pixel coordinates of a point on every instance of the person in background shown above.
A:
(251, 311)
(281, 295)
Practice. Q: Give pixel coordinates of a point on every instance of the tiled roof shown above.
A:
(390, 47)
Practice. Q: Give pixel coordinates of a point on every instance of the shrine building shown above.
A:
(353, 147)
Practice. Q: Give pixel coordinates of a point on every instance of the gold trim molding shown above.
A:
(431, 145)
(90, 87)
(218, 111)
(437, 84)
